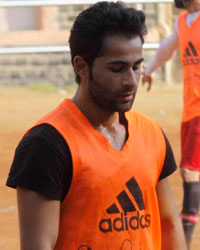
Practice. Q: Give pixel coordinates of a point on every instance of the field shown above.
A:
(21, 107)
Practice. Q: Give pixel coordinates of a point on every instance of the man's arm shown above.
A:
(166, 49)
(38, 219)
(172, 231)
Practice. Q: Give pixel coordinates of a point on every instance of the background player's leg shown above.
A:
(190, 173)
(191, 202)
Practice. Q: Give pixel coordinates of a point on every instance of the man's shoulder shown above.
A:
(44, 133)
(143, 122)
(141, 116)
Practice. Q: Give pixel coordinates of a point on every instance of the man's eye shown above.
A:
(137, 68)
(116, 70)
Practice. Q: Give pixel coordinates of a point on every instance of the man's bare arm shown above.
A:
(38, 219)
(172, 231)
(165, 51)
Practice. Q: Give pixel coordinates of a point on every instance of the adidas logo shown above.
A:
(123, 221)
(191, 56)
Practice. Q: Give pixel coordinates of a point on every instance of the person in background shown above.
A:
(92, 174)
(185, 37)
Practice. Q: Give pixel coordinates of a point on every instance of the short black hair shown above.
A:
(181, 4)
(100, 20)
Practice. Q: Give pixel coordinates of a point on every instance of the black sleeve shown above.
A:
(42, 163)
(169, 165)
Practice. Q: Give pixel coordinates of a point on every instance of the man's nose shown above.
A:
(131, 79)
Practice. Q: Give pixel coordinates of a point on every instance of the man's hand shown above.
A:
(147, 78)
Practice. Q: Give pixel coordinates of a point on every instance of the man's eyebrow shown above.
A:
(124, 62)
(139, 60)
(118, 62)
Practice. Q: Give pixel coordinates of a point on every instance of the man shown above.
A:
(185, 36)
(92, 174)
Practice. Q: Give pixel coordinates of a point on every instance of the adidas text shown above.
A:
(191, 61)
(125, 223)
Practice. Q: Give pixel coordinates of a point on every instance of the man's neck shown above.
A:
(191, 17)
(193, 7)
(112, 125)
(97, 116)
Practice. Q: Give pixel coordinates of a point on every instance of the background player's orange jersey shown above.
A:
(189, 40)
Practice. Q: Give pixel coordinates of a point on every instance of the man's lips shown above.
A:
(126, 97)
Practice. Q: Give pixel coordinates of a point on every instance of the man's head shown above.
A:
(112, 81)
(181, 4)
(189, 5)
(99, 21)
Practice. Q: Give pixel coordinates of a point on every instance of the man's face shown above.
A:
(197, 2)
(192, 5)
(114, 76)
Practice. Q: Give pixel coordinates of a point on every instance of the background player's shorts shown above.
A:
(190, 144)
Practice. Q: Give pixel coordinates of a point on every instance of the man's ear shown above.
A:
(81, 67)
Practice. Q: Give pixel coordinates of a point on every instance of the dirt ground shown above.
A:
(20, 108)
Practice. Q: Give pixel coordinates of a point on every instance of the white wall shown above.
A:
(3, 20)
(22, 18)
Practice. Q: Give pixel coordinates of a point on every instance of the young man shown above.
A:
(185, 36)
(92, 174)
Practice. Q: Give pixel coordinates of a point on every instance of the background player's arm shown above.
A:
(38, 219)
(172, 231)
(166, 49)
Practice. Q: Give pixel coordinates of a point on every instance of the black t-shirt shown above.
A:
(43, 163)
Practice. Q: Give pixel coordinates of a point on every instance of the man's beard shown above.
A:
(107, 99)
